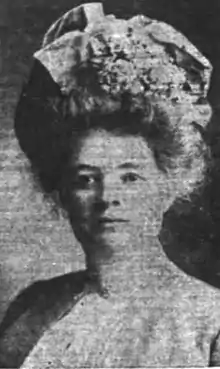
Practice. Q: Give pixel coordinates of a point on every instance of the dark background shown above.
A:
(29, 250)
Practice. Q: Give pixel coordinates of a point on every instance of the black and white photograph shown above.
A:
(109, 184)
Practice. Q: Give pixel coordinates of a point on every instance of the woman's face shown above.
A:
(114, 191)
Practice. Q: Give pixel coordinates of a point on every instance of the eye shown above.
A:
(85, 181)
(130, 177)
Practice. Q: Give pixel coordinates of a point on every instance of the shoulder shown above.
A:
(199, 303)
(33, 311)
(43, 294)
(192, 295)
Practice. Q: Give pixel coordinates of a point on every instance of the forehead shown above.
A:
(104, 149)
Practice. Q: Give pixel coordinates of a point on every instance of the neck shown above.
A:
(129, 271)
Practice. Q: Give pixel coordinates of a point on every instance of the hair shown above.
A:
(46, 122)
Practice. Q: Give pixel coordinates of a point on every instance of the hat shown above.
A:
(140, 55)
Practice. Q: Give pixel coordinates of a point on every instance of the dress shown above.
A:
(174, 320)
(98, 335)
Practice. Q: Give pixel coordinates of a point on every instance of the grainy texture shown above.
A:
(25, 224)
(34, 244)
(23, 23)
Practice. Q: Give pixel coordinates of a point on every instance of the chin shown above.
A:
(103, 247)
(113, 240)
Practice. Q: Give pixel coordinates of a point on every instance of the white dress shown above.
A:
(168, 324)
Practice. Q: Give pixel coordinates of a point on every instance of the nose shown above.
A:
(108, 197)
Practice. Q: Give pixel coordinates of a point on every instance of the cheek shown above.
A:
(82, 202)
(149, 199)
(156, 198)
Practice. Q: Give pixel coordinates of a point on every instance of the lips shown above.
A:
(106, 220)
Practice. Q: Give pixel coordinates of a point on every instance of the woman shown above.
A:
(112, 120)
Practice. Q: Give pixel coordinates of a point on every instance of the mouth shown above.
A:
(106, 220)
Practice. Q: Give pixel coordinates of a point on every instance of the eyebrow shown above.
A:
(127, 165)
(86, 167)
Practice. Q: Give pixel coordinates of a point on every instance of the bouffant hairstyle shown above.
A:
(47, 122)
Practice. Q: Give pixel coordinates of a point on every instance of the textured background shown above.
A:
(33, 244)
